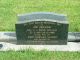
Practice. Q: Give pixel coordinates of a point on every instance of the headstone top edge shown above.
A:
(64, 22)
(41, 13)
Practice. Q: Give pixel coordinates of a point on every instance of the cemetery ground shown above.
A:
(8, 17)
(9, 9)
(39, 55)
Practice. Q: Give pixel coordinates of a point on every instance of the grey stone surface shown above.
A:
(74, 36)
(42, 15)
(8, 37)
(8, 42)
(71, 46)
(56, 32)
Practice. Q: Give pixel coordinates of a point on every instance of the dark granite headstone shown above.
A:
(42, 28)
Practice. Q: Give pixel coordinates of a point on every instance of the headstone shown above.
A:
(42, 28)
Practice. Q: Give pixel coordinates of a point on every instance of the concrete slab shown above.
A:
(8, 42)
(71, 46)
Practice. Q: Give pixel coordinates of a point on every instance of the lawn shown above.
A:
(9, 9)
(39, 55)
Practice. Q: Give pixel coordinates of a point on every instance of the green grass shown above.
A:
(39, 55)
(10, 8)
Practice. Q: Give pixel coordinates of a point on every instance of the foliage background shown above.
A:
(9, 9)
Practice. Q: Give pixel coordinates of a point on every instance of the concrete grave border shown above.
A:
(8, 42)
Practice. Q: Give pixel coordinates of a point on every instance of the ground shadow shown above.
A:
(1, 45)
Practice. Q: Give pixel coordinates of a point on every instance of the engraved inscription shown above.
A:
(41, 30)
